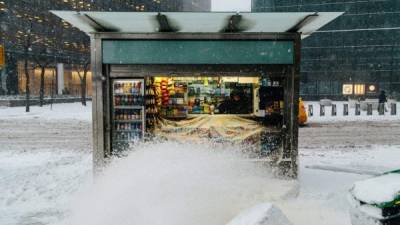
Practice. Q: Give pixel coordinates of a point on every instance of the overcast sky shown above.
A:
(231, 5)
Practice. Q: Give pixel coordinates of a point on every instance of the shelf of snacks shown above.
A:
(174, 111)
(151, 105)
(173, 99)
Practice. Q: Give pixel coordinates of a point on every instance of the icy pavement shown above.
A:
(45, 159)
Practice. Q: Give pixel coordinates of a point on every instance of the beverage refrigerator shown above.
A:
(128, 113)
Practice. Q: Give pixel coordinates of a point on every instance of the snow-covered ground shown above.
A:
(66, 111)
(45, 158)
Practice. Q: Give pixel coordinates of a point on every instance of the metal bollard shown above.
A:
(369, 109)
(345, 109)
(358, 110)
(322, 110)
(393, 109)
(334, 111)
(310, 110)
(381, 109)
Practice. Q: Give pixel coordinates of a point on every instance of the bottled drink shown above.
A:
(139, 87)
(118, 88)
(121, 88)
(125, 102)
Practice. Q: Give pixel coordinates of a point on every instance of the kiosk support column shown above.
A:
(98, 109)
(288, 162)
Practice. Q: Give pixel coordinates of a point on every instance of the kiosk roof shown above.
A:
(198, 22)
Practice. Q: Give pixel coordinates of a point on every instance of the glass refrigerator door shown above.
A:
(127, 113)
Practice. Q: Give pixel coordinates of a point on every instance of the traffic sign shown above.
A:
(2, 56)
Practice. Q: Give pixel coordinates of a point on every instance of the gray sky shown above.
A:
(231, 5)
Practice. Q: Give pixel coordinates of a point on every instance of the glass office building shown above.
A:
(356, 55)
(29, 25)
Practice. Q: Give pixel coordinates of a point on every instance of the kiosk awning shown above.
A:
(202, 22)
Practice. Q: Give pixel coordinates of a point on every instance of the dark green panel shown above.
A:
(197, 52)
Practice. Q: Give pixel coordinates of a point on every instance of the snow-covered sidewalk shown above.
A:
(36, 185)
(65, 111)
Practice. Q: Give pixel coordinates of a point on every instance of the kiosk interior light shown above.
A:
(248, 80)
(230, 79)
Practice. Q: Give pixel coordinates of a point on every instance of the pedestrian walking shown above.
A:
(382, 101)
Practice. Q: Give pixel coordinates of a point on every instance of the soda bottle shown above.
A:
(134, 89)
(116, 88)
(125, 101)
(139, 87)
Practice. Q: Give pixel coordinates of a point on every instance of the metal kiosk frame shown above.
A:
(103, 72)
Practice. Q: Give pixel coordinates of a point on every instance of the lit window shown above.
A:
(371, 88)
(347, 89)
(359, 89)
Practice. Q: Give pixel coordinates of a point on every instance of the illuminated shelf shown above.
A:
(128, 107)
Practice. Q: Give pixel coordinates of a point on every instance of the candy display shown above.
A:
(151, 105)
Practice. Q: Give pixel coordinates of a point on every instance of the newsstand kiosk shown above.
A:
(169, 74)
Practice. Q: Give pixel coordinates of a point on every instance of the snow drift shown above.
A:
(175, 183)
(262, 214)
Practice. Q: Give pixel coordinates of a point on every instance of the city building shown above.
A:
(356, 55)
(196, 5)
(52, 46)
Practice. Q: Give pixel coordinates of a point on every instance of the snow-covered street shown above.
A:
(45, 158)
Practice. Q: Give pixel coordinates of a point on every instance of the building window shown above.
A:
(359, 89)
(347, 89)
(371, 88)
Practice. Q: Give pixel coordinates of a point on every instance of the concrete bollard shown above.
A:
(358, 110)
(310, 110)
(321, 110)
(345, 109)
(334, 111)
(393, 109)
(369, 109)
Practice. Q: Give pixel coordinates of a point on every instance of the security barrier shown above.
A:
(357, 110)
(369, 109)
(333, 112)
(393, 109)
(310, 110)
(345, 109)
